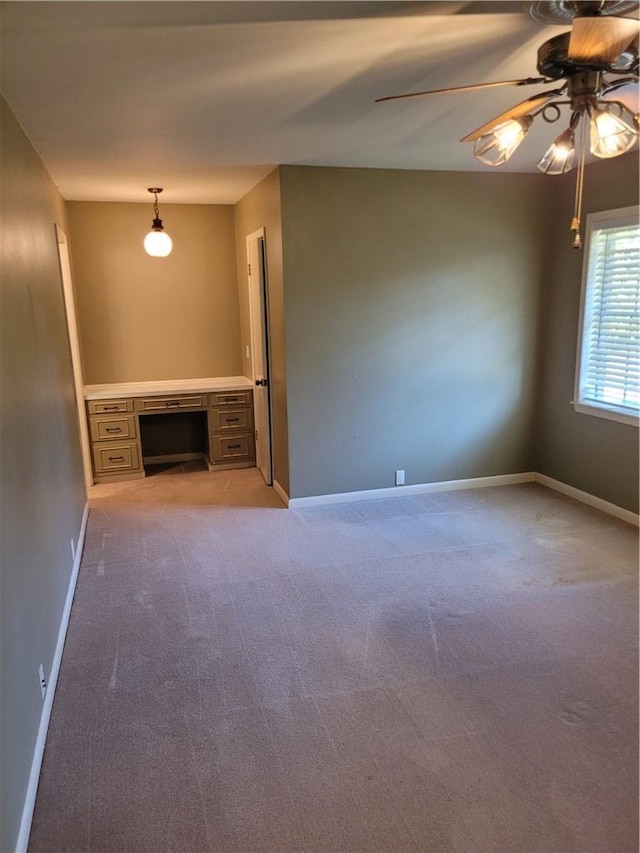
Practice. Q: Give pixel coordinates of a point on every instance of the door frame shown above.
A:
(74, 345)
(259, 328)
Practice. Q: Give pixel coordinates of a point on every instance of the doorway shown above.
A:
(259, 323)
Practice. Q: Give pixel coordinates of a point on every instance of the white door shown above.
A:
(258, 306)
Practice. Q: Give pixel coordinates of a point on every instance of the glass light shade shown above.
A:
(613, 131)
(158, 244)
(558, 158)
(496, 147)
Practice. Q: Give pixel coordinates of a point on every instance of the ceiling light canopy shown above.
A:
(157, 243)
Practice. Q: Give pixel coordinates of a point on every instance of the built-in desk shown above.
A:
(114, 413)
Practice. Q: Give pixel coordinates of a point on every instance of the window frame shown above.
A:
(617, 218)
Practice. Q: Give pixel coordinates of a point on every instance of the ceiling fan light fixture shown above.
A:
(157, 243)
(498, 145)
(614, 130)
(559, 157)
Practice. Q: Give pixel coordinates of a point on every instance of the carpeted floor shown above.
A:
(451, 672)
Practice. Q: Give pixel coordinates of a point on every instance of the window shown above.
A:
(608, 365)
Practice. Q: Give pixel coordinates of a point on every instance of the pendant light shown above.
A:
(157, 243)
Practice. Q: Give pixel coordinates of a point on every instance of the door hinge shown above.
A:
(256, 435)
(249, 268)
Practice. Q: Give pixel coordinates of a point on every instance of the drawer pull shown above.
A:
(232, 420)
(234, 447)
(116, 459)
(173, 403)
(111, 408)
(113, 429)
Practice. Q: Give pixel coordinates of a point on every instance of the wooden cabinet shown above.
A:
(105, 407)
(115, 457)
(114, 428)
(115, 442)
(231, 438)
(179, 402)
(106, 427)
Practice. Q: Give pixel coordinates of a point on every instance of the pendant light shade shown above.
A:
(497, 146)
(157, 243)
(614, 130)
(559, 156)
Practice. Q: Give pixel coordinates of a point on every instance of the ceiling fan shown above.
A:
(596, 65)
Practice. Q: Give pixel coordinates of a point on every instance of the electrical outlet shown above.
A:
(400, 477)
(43, 680)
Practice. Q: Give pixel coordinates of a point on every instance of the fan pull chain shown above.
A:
(577, 209)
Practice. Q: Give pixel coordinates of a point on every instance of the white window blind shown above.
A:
(608, 376)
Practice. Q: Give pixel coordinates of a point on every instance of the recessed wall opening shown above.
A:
(173, 437)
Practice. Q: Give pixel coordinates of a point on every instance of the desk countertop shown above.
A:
(169, 386)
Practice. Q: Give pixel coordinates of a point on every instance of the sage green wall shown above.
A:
(590, 453)
(261, 208)
(411, 312)
(42, 484)
(143, 318)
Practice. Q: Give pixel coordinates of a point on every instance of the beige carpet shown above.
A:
(451, 672)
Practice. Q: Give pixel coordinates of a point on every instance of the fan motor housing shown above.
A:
(554, 61)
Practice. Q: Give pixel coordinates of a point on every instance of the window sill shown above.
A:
(610, 414)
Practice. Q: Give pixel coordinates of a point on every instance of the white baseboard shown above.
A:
(38, 752)
(284, 497)
(591, 500)
(419, 489)
(451, 485)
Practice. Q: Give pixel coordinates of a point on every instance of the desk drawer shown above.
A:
(109, 457)
(109, 428)
(168, 404)
(223, 420)
(231, 398)
(106, 407)
(232, 448)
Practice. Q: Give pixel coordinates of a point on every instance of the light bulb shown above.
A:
(558, 158)
(157, 243)
(612, 134)
(496, 147)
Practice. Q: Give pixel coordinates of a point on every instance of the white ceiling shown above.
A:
(205, 98)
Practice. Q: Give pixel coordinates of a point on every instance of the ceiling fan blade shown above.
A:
(600, 40)
(519, 110)
(528, 81)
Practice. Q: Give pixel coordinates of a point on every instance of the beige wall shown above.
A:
(261, 208)
(143, 318)
(596, 455)
(411, 321)
(42, 483)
